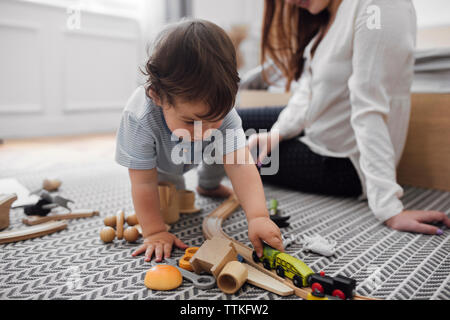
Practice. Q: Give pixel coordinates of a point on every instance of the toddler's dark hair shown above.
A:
(194, 60)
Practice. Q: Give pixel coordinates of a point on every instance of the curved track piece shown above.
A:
(212, 226)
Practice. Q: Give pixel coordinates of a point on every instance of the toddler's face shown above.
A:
(183, 115)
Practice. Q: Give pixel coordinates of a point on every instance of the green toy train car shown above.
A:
(340, 287)
(285, 266)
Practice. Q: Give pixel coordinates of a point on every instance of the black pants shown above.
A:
(299, 167)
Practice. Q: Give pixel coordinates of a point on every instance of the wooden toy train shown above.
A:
(302, 276)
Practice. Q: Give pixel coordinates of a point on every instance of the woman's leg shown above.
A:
(259, 118)
(303, 170)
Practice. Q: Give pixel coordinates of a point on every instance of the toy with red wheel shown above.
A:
(339, 286)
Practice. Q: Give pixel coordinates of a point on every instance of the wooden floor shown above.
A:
(44, 153)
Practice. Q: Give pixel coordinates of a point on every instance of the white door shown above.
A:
(64, 70)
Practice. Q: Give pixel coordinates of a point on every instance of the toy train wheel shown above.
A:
(339, 294)
(317, 286)
(266, 264)
(298, 281)
(280, 271)
(255, 257)
(308, 280)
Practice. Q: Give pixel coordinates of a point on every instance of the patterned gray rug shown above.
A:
(75, 264)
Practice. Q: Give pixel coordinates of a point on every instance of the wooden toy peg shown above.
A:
(168, 199)
(32, 232)
(75, 214)
(186, 200)
(120, 220)
(6, 200)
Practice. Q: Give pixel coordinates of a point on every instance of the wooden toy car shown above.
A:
(285, 265)
(339, 286)
(302, 276)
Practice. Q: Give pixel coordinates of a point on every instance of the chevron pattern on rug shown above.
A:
(75, 264)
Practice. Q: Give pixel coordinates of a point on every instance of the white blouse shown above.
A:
(353, 98)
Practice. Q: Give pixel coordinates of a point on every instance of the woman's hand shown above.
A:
(266, 141)
(263, 229)
(416, 221)
(159, 243)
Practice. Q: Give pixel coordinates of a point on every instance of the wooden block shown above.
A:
(262, 98)
(6, 200)
(433, 37)
(213, 255)
(75, 214)
(266, 282)
(425, 160)
(32, 232)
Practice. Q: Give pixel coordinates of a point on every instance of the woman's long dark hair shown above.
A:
(287, 30)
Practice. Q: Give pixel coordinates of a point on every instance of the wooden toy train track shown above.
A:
(212, 226)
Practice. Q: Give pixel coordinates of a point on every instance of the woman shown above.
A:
(344, 129)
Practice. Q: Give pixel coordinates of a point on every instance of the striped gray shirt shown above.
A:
(144, 140)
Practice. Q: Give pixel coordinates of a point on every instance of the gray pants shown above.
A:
(209, 176)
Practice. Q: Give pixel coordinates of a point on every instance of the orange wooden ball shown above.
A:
(163, 277)
(132, 220)
(110, 221)
(107, 234)
(131, 234)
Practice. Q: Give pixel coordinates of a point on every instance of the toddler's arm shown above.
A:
(249, 190)
(144, 190)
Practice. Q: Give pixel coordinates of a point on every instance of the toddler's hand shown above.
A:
(263, 229)
(159, 243)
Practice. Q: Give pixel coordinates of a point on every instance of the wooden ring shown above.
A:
(189, 252)
(185, 264)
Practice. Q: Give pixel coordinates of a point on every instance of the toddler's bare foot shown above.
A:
(220, 192)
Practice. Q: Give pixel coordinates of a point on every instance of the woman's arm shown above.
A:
(381, 59)
(291, 120)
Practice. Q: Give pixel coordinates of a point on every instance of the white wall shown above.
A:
(432, 13)
(57, 79)
(227, 13)
(151, 18)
